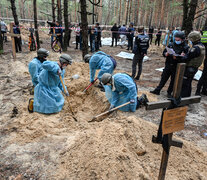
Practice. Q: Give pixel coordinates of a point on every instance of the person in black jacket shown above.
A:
(114, 31)
(98, 38)
(180, 47)
(158, 35)
(18, 41)
(140, 50)
(151, 31)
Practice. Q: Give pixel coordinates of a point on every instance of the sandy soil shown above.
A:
(36, 146)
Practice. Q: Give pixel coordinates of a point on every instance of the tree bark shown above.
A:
(59, 11)
(84, 27)
(127, 11)
(120, 10)
(35, 23)
(53, 10)
(162, 14)
(191, 10)
(13, 7)
(100, 12)
(66, 36)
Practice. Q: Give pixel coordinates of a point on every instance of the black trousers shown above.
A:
(130, 43)
(168, 72)
(202, 83)
(114, 37)
(137, 60)
(157, 40)
(18, 44)
(77, 41)
(150, 38)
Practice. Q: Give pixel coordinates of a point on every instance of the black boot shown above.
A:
(143, 100)
(155, 91)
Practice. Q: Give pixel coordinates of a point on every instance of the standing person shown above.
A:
(179, 47)
(69, 33)
(98, 44)
(114, 31)
(77, 32)
(193, 59)
(202, 83)
(18, 42)
(48, 98)
(59, 32)
(167, 40)
(92, 38)
(130, 36)
(150, 32)
(3, 30)
(158, 35)
(140, 50)
(122, 33)
(102, 61)
(120, 89)
(52, 26)
(35, 66)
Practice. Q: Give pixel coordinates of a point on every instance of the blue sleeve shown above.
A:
(33, 70)
(60, 84)
(115, 98)
(50, 66)
(92, 71)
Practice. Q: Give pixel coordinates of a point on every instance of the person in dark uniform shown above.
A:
(151, 31)
(158, 35)
(130, 36)
(202, 83)
(18, 41)
(179, 47)
(114, 31)
(140, 50)
(193, 59)
(98, 43)
(69, 33)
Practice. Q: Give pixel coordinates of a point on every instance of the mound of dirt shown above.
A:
(119, 146)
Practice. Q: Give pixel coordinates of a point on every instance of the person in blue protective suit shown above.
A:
(120, 88)
(35, 66)
(48, 98)
(102, 61)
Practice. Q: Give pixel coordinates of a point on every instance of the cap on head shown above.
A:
(42, 53)
(65, 59)
(178, 28)
(106, 78)
(194, 36)
(180, 35)
(87, 58)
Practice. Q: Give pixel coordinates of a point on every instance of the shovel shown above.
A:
(109, 111)
(90, 85)
(61, 79)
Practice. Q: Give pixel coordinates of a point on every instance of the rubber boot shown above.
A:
(143, 100)
(30, 106)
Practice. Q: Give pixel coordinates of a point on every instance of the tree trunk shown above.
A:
(162, 14)
(84, 27)
(188, 23)
(13, 7)
(66, 36)
(59, 11)
(185, 13)
(120, 6)
(35, 23)
(100, 13)
(1, 42)
(127, 11)
(130, 11)
(53, 10)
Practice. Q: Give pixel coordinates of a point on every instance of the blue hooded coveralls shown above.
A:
(47, 94)
(35, 67)
(125, 90)
(100, 60)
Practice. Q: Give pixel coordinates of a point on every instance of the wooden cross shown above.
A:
(173, 118)
(13, 42)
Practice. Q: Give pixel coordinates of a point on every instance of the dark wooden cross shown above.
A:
(173, 118)
(13, 41)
